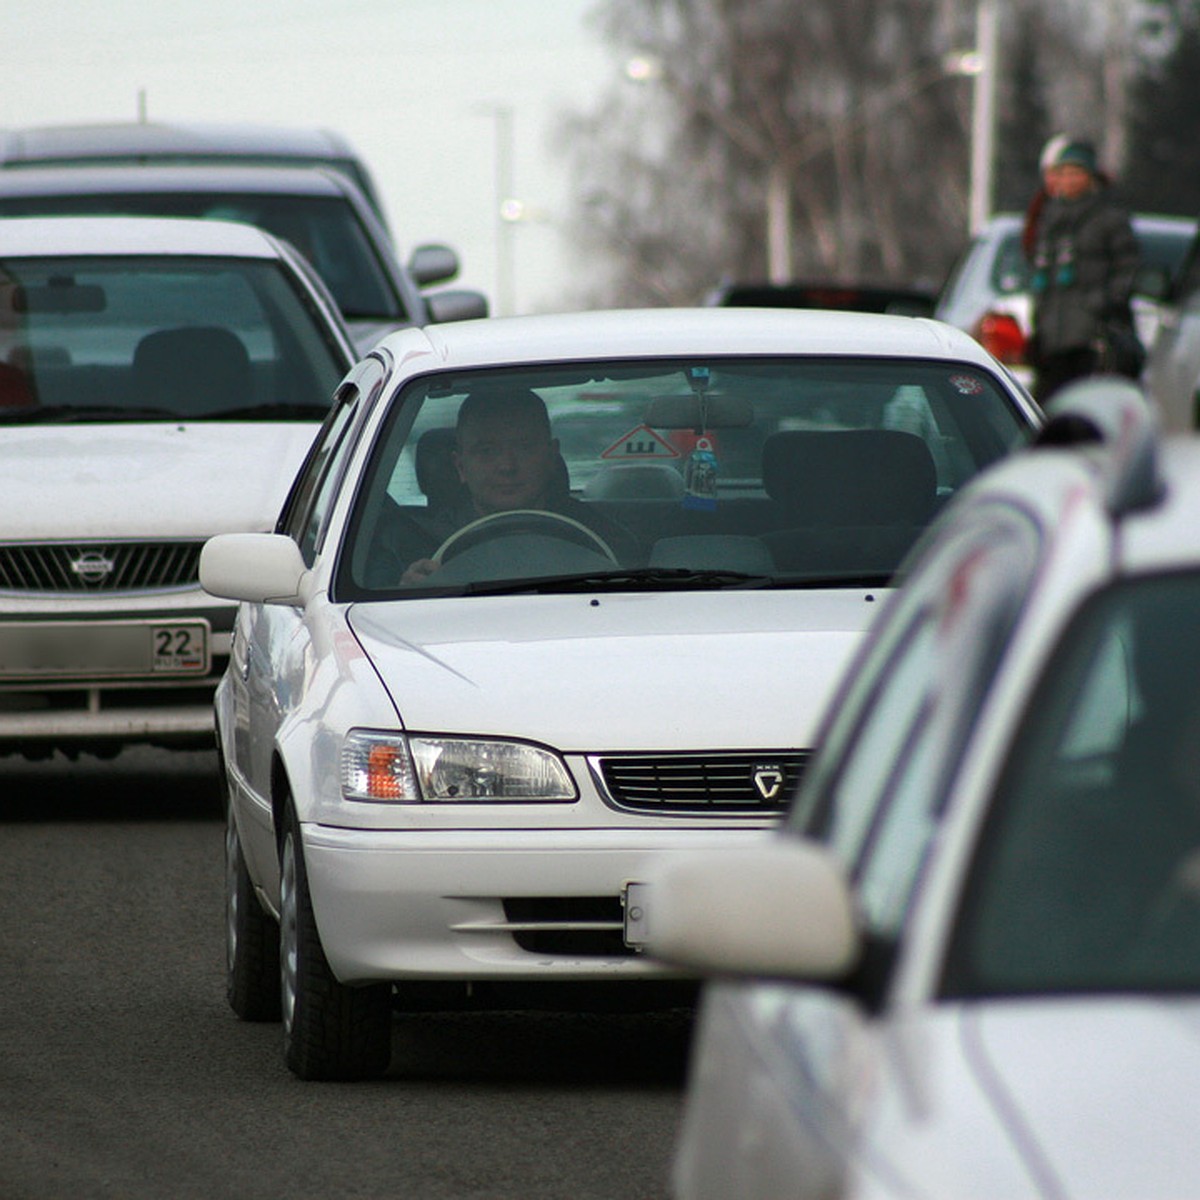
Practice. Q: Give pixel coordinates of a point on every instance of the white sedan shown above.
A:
(160, 381)
(970, 963)
(551, 596)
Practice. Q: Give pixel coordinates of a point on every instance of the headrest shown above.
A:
(15, 389)
(635, 481)
(195, 368)
(851, 476)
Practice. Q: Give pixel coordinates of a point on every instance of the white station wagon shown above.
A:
(160, 381)
(969, 964)
(552, 595)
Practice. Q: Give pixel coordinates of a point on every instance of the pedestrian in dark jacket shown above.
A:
(1084, 258)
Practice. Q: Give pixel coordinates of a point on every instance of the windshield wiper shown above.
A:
(634, 579)
(668, 579)
(72, 414)
(267, 412)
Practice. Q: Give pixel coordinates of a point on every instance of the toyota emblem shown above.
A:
(768, 781)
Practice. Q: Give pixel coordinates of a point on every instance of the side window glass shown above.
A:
(318, 485)
(896, 741)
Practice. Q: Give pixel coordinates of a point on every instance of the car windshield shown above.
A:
(324, 229)
(1161, 251)
(667, 474)
(168, 338)
(1087, 877)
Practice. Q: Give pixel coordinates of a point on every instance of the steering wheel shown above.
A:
(522, 520)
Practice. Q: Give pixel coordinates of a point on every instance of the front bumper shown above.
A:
(515, 905)
(39, 716)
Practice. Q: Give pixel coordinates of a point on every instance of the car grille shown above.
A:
(757, 782)
(571, 926)
(98, 566)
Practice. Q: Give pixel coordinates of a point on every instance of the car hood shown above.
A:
(161, 480)
(595, 672)
(1053, 1097)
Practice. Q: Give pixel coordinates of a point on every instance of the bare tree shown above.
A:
(817, 139)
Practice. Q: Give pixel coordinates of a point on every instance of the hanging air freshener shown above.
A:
(700, 477)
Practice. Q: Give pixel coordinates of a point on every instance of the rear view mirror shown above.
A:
(686, 412)
(62, 296)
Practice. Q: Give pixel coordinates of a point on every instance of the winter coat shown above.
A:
(1084, 260)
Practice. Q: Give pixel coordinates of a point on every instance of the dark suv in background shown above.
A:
(305, 186)
(141, 142)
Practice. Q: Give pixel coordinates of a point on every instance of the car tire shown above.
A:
(251, 939)
(330, 1030)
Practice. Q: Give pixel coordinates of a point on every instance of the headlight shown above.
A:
(411, 770)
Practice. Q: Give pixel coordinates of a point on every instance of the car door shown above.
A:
(1173, 367)
(267, 666)
(793, 1068)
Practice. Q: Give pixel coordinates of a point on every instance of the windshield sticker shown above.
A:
(641, 442)
(968, 385)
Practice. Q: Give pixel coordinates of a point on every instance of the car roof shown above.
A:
(216, 178)
(712, 332)
(1101, 451)
(1007, 223)
(51, 142)
(27, 237)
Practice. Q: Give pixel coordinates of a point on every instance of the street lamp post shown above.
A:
(983, 114)
(502, 114)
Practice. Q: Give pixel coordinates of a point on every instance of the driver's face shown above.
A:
(506, 462)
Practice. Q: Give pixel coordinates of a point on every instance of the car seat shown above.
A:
(850, 500)
(193, 371)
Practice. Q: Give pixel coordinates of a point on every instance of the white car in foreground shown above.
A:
(551, 596)
(970, 963)
(160, 381)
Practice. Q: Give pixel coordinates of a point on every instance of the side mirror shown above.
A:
(781, 909)
(433, 264)
(456, 304)
(259, 568)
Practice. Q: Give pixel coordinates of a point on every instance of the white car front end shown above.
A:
(680, 689)
(161, 381)
(105, 633)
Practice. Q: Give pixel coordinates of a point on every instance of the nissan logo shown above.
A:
(768, 781)
(92, 567)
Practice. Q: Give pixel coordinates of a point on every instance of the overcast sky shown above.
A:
(414, 84)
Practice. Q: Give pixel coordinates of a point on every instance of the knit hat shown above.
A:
(1064, 150)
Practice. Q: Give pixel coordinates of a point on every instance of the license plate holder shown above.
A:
(633, 903)
(104, 649)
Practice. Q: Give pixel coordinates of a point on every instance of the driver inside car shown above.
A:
(507, 460)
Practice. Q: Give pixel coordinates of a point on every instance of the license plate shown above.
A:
(633, 900)
(108, 649)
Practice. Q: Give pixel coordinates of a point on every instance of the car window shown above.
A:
(1087, 871)
(178, 337)
(315, 488)
(325, 229)
(1163, 251)
(876, 787)
(1186, 285)
(786, 471)
(1159, 250)
(1010, 268)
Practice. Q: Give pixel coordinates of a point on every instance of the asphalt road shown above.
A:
(123, 1073)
